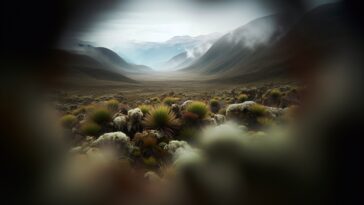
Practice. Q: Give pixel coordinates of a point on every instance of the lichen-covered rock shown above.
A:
(135, 120)
(181, 152)
(120, 122)
(118, 140)
(185, 104)
(209, 121)
(238, 111)
(251, 114)
(152, 177)
(220, 119)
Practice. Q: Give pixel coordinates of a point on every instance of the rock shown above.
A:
(76, 150)
(185, 104)
(120, 122)
(209, 121)
(176, 110)
(220, 119)
(135, 120)
(152, 177)
(118, 140)
(250, 113)
(174, 145)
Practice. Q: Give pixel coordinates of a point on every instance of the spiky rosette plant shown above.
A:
(163, 119)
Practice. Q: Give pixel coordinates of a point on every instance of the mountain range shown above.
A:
(271, 46)
(156, 54)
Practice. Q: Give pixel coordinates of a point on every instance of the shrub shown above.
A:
(155, 100)
(242, 98)
(101, 115)
(112, 104)
(68, 121)
(90, 128)
(198, 108)
(188, 134)
(170, 100)
(145, 109)
(161, 118)
(214, 103)
(275, 93)
(258, 109)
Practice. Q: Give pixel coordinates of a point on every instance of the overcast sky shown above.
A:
(159, 20)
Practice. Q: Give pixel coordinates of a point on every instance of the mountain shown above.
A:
(272, 46)
(236, 46)
(186, 58)
(110, 59)
(82, 68)
(155, 54)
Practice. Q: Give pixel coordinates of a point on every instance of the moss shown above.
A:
(90, 128)
(68, 121)
(198, 108)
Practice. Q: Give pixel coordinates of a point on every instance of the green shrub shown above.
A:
(198, 108)
(214, 103)
(100, 115)
(155, 100)
(145, 109)
(112, 104)
(188, 134)
(68, 121)
(275, 93)
(90, 128)
(161, 118)
(170, 100)
(242, 98)
(258, 109)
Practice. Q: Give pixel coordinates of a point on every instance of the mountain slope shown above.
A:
(111, 60)
(83, 68)
(318, 34)
(155, 54)
(259, 50)
(234, 47)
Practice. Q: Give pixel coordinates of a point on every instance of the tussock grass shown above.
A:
(100, 115)
(90, 128)
(198, 108)
(68, 121)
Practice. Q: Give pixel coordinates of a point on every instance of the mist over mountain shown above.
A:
(155, 54)
(241, 43)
